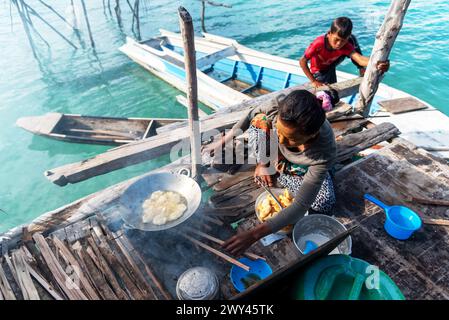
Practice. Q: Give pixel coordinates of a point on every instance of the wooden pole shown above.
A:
(203, 16)
(382, 47)
(186, 26)
(92, 43)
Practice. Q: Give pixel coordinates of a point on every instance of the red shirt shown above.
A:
(321, 58)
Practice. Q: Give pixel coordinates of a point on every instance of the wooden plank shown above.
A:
(43, 282)
(439, 222)
(11, 268)
(125, 241)
(70, 259)
(25, 282)
(217, 253)
(356, 142)
(152, 147)
(436, 202)
(103, 240)
(132, 266)
(132, 153)
(40, 263)
(8, 293)
(97, 278)
(95, 253)
(106, 133)
(120, 270)
(343, 127)
(135, 271)
(61, 277)
(215, 56)
(402, 105)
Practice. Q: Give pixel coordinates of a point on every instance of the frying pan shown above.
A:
(133, 197)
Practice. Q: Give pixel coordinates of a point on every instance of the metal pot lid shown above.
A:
(198, 283)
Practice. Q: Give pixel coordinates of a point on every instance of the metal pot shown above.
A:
(318, 229)
(198, 283)
(133, 197)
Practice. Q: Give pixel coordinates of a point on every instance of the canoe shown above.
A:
(91, 129)
(229, 73)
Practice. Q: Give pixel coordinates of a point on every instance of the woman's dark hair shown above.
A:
(302, 110)
(342, 26)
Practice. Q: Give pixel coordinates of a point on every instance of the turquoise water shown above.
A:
(105, 82)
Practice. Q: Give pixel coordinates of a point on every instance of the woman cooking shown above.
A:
(306, 153)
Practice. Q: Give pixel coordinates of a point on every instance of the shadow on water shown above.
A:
(54, 147)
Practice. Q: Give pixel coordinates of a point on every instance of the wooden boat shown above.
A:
(93, 130)
(229, 73)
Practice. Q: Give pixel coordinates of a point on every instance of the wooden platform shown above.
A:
(394, 173)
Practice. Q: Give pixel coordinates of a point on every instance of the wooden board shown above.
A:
(417, 265)
(150, 148)
(402, 105)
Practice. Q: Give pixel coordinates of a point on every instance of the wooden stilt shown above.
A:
(382, 47)
(186, 25)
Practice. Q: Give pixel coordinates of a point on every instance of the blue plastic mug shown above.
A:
(400, 222)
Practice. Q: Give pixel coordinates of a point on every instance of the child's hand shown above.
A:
(317, 84)
(383, 65)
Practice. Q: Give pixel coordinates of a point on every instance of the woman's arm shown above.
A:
(304, 198)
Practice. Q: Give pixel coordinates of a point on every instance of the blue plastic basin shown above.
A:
(259, 269)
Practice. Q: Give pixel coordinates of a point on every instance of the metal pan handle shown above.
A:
(184, 171)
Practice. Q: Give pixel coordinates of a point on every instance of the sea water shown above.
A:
(104, 82)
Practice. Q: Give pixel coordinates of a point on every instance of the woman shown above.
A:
(307, 151)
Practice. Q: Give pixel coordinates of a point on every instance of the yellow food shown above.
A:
(162, 207)
(268, 208)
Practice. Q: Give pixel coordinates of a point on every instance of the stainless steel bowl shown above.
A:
(320, 228)
(132, 199)
(277, 192)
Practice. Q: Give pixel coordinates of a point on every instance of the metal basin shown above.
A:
(319, 228)
(134, 196)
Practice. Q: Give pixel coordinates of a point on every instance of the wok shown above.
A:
(133, 197)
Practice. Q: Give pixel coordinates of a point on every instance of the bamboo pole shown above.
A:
(382, 47)
(186, 26)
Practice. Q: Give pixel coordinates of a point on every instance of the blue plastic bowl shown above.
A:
(401, 222)
(258, 269)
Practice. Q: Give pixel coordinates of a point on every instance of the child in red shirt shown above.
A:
(328, 50)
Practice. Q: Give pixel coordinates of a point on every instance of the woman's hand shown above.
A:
(238, 244)
(212, 148)
(263, 172)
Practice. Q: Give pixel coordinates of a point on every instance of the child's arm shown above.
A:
(306, 70)
(363, 61)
